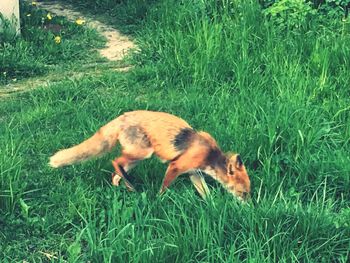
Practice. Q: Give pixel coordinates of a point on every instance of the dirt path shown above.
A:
(51, 78)
(117, 44)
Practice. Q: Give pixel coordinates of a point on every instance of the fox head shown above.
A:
(237, 180)
(229, 170)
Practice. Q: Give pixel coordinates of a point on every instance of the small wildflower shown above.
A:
(33, 3)
(80, 21)
(49, 17)
(58, 39)
(29, 14)
(5, 73)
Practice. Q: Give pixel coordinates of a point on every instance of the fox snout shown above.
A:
(240, 191)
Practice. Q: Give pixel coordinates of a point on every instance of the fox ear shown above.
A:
(230, 169)
(239, 161)
(229, 155)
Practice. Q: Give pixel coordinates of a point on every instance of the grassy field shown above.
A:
(48, 43)
(276, 91)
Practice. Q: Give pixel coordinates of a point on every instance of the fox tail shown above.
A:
(101, 142)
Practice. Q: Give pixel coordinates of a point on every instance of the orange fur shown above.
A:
(143, 133)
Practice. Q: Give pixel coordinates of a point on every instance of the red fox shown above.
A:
(143, 133)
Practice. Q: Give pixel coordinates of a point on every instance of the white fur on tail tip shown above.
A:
(57, 160)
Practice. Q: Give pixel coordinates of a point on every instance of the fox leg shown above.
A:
(200, 184)
(126, 162)
(171, 174)
(135, 147)
(122, 165)
(187, 162)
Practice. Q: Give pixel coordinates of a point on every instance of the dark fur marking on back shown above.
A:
(135, 134)
(216, 159)
(183, 139)
(105, 145)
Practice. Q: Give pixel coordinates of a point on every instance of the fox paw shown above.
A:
(115, 179)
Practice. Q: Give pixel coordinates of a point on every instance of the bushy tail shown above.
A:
(96, 145)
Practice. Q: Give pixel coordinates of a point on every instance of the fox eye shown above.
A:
(230, 170)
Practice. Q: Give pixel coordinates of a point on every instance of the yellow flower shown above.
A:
(80, 21)
(29, 14)
(58, 39)
(33, 3)
(49, 17)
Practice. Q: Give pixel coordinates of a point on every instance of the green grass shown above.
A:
(35, 52)
(278, 96)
